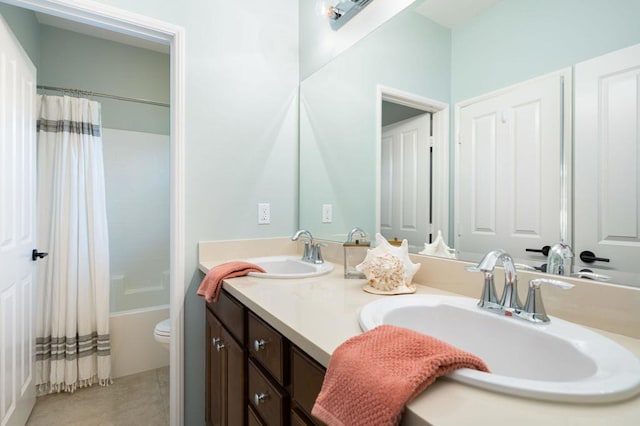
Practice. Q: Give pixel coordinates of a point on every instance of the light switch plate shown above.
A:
(327, 213)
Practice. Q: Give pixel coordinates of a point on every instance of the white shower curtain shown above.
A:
(73, 347)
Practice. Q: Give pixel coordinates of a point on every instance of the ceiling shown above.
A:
(453, 13)
(102, 33)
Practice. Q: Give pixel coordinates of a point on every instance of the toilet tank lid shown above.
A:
(163, 327)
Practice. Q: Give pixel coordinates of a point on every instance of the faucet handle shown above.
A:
(537, 282)
(533, 307)
(488, 298)
(316, 253)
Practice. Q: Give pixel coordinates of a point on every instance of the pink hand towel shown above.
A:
(371, 377)
(212, 282)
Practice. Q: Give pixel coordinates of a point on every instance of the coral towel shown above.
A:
(212, 282)
(371, 377)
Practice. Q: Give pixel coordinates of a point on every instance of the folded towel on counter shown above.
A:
(212, 282)
(371, 377)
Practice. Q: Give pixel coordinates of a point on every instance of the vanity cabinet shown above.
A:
(255, 376)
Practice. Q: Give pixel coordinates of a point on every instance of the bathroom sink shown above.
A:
(557, 361)
(288, 267)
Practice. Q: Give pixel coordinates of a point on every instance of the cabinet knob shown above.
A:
(260, 398)
(258, 344)
(217, 343)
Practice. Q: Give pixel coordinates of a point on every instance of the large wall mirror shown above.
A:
(427, 58)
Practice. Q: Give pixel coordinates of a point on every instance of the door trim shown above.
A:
(122, 21)
(440, 173)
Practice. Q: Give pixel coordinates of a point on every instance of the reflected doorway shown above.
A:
(406, 175)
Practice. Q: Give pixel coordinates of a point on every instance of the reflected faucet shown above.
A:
(311, 253)
(560, 259)
(354, 231)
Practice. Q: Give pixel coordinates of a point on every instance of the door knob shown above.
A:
(544, 250)
(35, 254)
(590, 257)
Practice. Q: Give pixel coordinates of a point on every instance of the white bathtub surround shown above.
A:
(137, 174)
(318, 314)
(72, 326)
(133, 346)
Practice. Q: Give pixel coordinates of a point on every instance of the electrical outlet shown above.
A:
(264, 213)
(327, 213)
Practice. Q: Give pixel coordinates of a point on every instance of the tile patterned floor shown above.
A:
(140, 399)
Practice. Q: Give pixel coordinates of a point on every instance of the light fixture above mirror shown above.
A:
(344, 10)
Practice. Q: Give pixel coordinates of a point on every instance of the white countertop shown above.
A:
(318, 314)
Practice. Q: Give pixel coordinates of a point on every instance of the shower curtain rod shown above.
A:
(102, 95)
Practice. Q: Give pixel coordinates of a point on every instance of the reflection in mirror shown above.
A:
(405, 175)
(511, 42)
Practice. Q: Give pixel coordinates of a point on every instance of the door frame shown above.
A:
(440, 143)
(119, 20)
(566, 142)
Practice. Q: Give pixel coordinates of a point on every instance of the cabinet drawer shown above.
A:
(306, 380)
(265, 398)
(268, 347)
(231, 313)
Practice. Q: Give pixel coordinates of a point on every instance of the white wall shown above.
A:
(137, 167)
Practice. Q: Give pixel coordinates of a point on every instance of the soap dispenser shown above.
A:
(355, 250)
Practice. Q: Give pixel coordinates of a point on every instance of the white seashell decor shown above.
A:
(388, 269)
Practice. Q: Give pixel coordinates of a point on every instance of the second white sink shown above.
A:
(558, 361)
(288, 267)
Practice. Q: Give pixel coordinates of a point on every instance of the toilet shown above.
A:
(162, 333)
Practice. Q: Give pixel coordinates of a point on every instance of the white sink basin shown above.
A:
(288, 267)
(558, 361)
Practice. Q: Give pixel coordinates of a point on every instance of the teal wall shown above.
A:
(25, 27)
(519, 39)
(73, 60)
(241, 126)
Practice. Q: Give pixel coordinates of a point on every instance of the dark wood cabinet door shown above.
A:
(225, 377)
(213, 387)
(306, 381)
(234, 395)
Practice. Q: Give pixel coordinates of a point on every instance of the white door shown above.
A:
(607, 163)
(17, 230)
(405, 181)
(508, 163)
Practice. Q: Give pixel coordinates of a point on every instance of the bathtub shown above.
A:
(133, 348)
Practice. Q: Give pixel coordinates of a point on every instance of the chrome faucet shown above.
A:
(354, 231)
(509, 304)
(509, 300)
(560, 259)
(311, 253)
